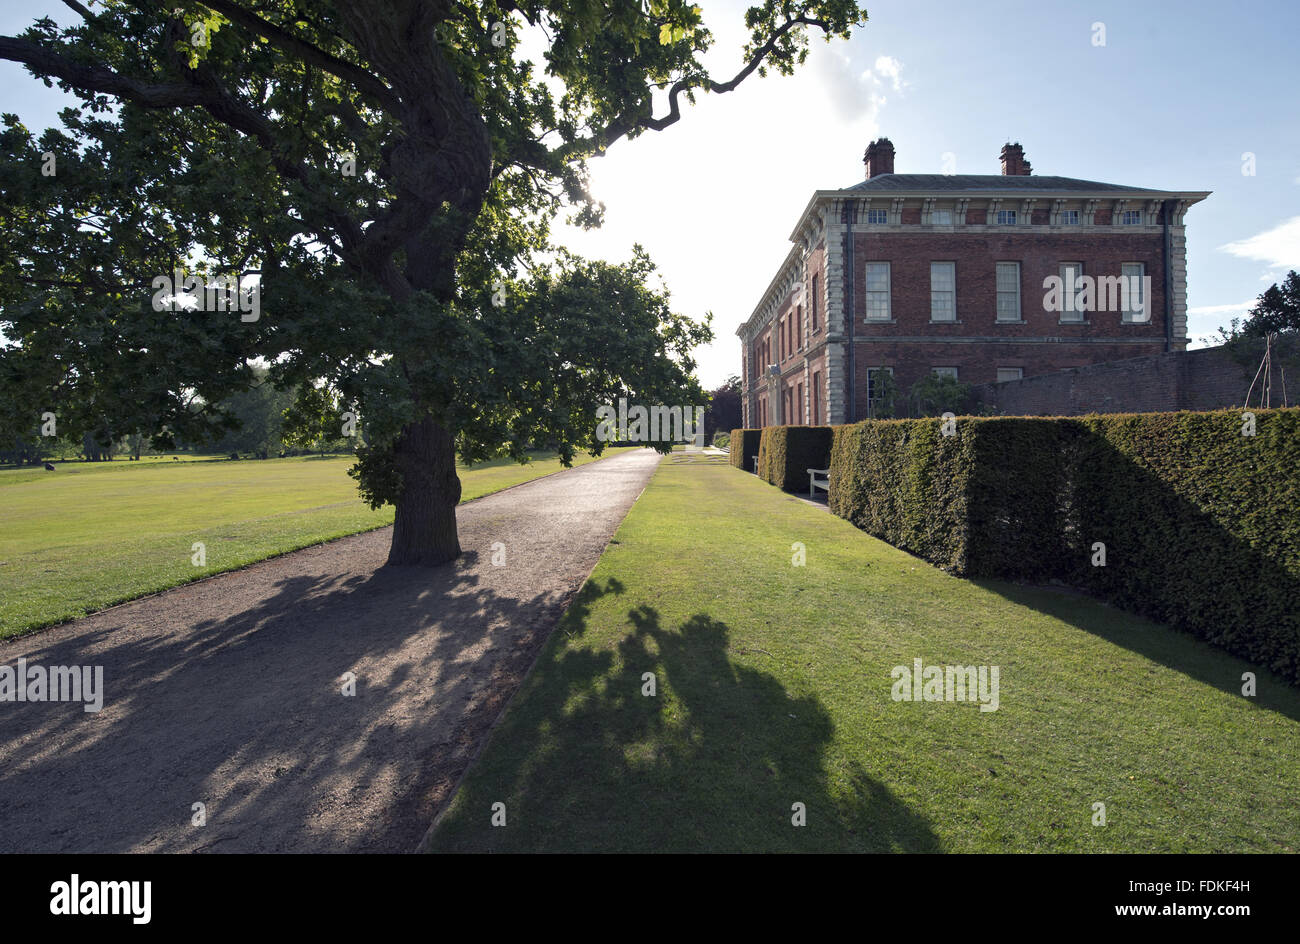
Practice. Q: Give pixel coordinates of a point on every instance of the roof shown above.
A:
(912, 186)
(989, 182)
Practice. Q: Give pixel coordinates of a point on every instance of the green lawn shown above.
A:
(774, 688)
(93, 534)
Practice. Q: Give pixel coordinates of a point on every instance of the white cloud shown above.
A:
(1278, 247)
(857, 96)
(1221, 309)
(891, 68)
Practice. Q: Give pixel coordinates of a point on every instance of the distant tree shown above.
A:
(260, 410)
(722, 415)
(97, 447)
(1267, 343)
(25, 450)
(935, 395)
(315, 421)
(1277, 310)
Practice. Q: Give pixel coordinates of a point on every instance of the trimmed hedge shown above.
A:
(743, 447)
(786, 453)
(903, 482)
(1201, 525)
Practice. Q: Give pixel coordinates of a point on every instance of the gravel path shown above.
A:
(228, 692)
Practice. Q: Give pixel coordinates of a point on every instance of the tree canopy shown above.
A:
(381, 178)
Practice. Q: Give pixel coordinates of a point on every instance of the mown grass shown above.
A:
(90, 535)
(774, 688)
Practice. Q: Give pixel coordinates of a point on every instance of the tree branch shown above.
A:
(203, 91)
(362, 80)
(74, 5)
(628, 122)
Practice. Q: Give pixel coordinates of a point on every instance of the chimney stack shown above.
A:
(1013, 161)
(879, 158)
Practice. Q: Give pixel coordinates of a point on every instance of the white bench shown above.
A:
(815, 483)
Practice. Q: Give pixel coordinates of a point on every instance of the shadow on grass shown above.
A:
(1195, 525)
(1176, 650)
(714, 761)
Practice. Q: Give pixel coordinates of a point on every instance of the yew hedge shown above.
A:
(1199, 524)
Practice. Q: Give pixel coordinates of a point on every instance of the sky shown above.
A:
(1182, 96)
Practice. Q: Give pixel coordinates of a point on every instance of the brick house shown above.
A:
(950, 274)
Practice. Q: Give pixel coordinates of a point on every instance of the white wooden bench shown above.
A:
(815, 483)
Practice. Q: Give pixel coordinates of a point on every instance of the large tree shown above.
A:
(388, 172)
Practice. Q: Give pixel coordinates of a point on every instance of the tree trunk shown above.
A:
(424, 527)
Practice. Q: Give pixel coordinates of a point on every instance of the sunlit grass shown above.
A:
(773, 688)
(92, 534)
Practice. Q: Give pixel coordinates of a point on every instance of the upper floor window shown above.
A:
(877, 216)
(1008, 275)
(878, 291)
(1069, 217)
(945, 372)
(942, 217)
(1010, 373)
(797, 329)
(943, 291)
(1006, 217)
(815, 298)
(1132, 217)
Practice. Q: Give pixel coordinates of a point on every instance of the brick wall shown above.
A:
(977, 344)
(976, 363)
(1203, 379)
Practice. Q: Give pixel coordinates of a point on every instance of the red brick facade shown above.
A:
(977, 343)
(816, 334)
